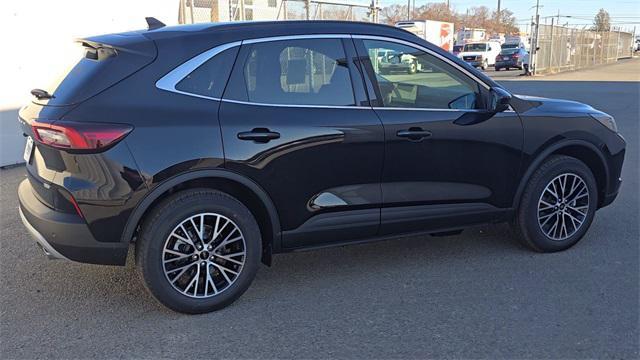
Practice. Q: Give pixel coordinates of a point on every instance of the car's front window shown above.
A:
(420, 80)
(475, 47)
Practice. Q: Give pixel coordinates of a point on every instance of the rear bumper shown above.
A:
(65, 236)
(510, 63)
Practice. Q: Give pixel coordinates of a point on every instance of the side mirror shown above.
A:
(500, 99)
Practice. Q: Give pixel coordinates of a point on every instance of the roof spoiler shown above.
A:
(153, 23)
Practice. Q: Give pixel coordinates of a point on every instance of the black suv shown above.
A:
(214, 146)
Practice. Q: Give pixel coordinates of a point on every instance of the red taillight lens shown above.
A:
(79, 136)
(515, 56)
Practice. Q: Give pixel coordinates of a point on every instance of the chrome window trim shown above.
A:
(428, 51)
(426, 109)
(169, 81)
(355, 107)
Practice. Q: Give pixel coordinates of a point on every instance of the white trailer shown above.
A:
(439, 33)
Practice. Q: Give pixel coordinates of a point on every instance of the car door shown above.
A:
(296, 120)
(448, 162)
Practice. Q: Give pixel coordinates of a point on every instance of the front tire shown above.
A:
(485, 65)
(413, 68)
(557, 206)
(198, 251)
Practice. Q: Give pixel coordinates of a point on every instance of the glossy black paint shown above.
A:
(332, 175)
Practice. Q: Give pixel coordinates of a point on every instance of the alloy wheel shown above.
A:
(204, 255)
(563, 206)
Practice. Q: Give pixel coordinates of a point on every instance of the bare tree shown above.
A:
(394, 13)
(435, 11)
(602, 21)
(476, 17)
(505, 22)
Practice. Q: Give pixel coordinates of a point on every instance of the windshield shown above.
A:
(509, 51)
(475, 47)
(509, 46)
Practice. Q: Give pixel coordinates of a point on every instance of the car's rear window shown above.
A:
(298, 72)
(210, 78)
(509, 51)
(97, 68)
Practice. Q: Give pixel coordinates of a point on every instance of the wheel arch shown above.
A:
(244, 189)
(582, 150)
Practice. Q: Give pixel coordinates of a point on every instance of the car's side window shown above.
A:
(210, 78)
(298, 72)
(411, 78)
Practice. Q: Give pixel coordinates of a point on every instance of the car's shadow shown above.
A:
(291, 274)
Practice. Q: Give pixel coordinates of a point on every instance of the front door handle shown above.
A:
(259, 135)
(415, 134)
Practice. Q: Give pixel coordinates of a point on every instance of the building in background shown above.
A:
(53, 26)
(195, 11)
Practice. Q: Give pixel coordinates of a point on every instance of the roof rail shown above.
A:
(154, 23)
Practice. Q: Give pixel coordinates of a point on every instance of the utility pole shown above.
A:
(307, 6)
(408, 9)
(534, 46)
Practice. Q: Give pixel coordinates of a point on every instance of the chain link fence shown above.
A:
(563, 49)
(196, 11)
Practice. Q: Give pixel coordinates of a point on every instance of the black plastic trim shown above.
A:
(68, 234)
(163, 187)
(550, 150)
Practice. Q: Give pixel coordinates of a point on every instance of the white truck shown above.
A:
(439, 33)
(480, 54)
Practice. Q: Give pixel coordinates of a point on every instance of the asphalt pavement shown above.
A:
(475, 295)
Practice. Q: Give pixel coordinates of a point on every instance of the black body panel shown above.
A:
(324, 174)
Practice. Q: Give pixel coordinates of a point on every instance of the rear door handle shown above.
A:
(259, 135)
(415, 134)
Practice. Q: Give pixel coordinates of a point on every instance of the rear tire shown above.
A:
(571, 211)
(485, 65)
(181, 260)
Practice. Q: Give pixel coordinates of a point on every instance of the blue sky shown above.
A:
(624, 13)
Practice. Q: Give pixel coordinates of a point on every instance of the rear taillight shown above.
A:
(515, 56)
(79, 136)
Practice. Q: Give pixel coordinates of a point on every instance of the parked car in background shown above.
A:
(513, 41)
(214, 146)
(393, 61)
(480, 54)
(457, 49)
(510, 59)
